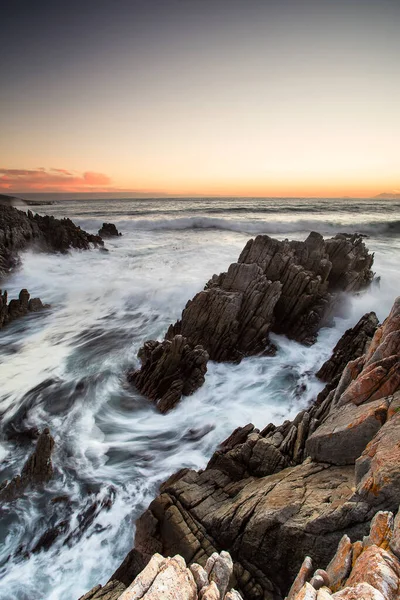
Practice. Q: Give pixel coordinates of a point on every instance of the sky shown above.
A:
(205, 97)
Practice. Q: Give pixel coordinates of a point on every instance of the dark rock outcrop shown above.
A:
(9, 311)
(270, 497)
(108, 230)
(169, 369)
(285, 287)
(20, 230)
(37, 470)
(351, 345)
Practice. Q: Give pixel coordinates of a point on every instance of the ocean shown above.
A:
(66, 369)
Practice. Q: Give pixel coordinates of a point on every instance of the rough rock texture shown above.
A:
(285, 287)
(37, 470)
(362, 570)
(9, 311)
(265, 502)
(19, 230)
(108, 230)
(170, 579)
(353, 344)
(169, 369)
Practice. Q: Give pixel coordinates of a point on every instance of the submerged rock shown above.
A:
(108, 230)
(18, 308)
(285, 287)
(37, 470)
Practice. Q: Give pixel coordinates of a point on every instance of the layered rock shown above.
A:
(285, 287)
(367, 569)
(353, 344)
(19, 230)
(169, 369)
(270, 497)
(170, 578)
(108, 230)
(9, 311)
(37, 470)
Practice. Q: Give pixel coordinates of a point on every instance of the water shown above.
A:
(65, 369)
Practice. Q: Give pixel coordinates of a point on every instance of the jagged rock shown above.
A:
(18, 308)
(285, 287)
(339, 567)
(108, 230)
(302, 577)
(374, 573)
(19, 230)
(351, 345)
(169, 370)
(37, 470)
(378, 468)
(170, 579)
(345, 433)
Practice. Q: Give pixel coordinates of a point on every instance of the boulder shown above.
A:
(108, 230)
(343, 436)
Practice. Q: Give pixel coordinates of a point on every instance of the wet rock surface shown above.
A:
(37, 470)
(20, 230)
(14, 309)
(308, 487)
(108, 230)
(169, 369)
(285, 287)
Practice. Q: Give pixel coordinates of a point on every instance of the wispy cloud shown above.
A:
(53, 180)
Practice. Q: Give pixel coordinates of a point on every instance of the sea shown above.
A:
(65, 369)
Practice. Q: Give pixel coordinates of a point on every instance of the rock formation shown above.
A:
(19, 230)
(285, 287)
(169, 369)
(9, 311)
(37, 470)
(271, 497)
(170, 579)
(108, 230)
(367, 569)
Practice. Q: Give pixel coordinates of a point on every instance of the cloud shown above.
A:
(53, 180)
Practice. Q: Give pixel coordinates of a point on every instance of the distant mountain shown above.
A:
(388, 196)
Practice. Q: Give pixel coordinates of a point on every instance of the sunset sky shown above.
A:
(211, 97)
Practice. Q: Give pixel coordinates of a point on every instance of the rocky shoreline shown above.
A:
(311, 487)
(305, 509)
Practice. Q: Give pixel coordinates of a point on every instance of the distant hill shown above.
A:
(388, 196)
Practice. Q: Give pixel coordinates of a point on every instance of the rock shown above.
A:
(20, 230)
(200, 576)
(381, 530)
(362, 591)
(302, 577)
(169, 370)
(286, 287)
(345, 433)
(37, 470)
(378, 468)
(18, 308)
(379, 569)
(340, 566)
(220, 571)
(108, 230)
(307, 592)
(351, 345)
(395, 539)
